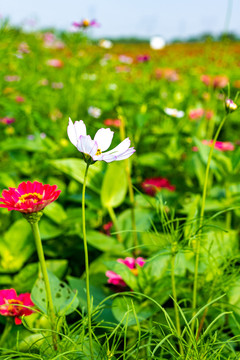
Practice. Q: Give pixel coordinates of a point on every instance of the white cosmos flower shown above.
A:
(95, 148)
(174, 112)
(94, 111)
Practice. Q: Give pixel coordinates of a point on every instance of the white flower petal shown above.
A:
(75, 130)
(86, 145)
(121, 148)
(125, 155)
(103, 138)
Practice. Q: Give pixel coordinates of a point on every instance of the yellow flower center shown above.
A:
(12, 309)
(134, 271)
(98, 152)
(86, 22)
(30, 196)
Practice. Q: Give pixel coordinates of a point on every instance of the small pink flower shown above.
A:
(143, 58)
(29, 197)
(19, 99)
(196, 114)
(131, 263)
(209, 114)
(7, 120)
(15, 306)
(23, 48)
(153, 185)
(220, 145)
(112, 122)
(12, 78)
(57, 63)
(125, 59)
(107, 227)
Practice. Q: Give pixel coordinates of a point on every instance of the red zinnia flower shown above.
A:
(29, 197)
(15, 306)
(151, 186)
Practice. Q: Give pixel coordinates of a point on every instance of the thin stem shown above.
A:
(115, 222)
(204, 195)
(132, 201)
(50, 307)
(86, 263)
(229, 213)
(174, 291)
(6, 332)
(130, 187)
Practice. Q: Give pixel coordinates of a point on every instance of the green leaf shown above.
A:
(55, 212)
(64, 300)
(103, 242)
(114, 186)
(25, 279)
(48, 230)
(75, 168)
(16, 246)
(129, 310)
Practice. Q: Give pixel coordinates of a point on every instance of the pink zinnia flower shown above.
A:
(15, 306)
(220, 145)
(131, 263)
(153, 185)
(29, 197)
(57, 63)
(85, 23)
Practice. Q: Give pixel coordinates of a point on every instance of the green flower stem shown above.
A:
(50, 307)
(6, 332)
(198, 240)
(130, 187)
(174, 291)
(132, 201)
(86, 263)
(229, 213)
(115, 222)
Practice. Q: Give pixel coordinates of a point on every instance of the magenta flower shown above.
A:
(220, 145)
(7, 120)
(95, 148)
(85, 23)
(153, 185)
(143, 58)
(15, 306)
(131, 263)
(29, 197)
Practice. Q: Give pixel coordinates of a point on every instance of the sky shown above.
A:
(170, 19)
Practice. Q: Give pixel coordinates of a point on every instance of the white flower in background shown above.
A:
(112, 87)
(174, 112)
(94, 112)
(94, 149)
(106, 44)
(157, 43)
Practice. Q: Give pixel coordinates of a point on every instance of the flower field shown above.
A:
(120, 198)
